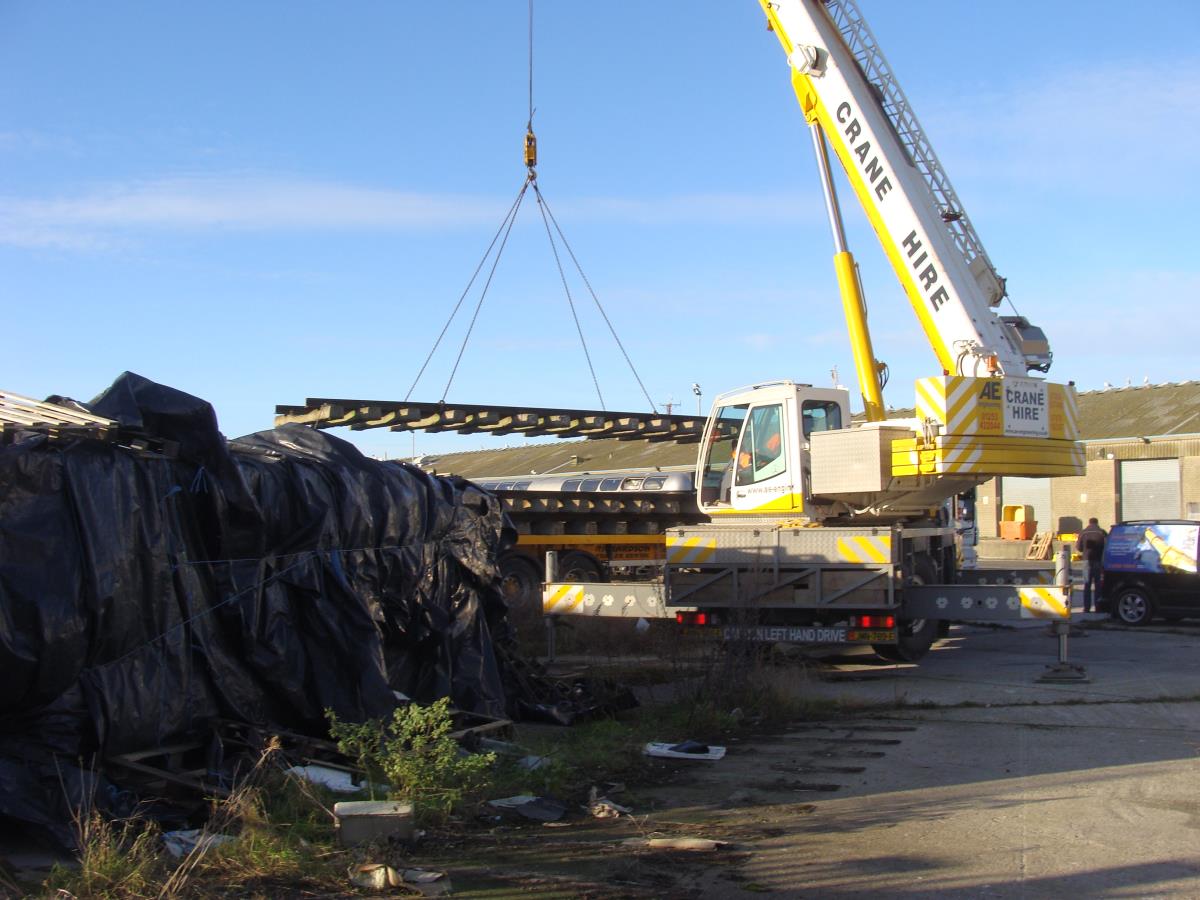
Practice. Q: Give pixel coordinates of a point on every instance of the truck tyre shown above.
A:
(1133, 605)
(576, 565)
(520, 583)
(916, 636)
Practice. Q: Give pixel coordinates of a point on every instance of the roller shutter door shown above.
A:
(1150, 489)
(1033, 492)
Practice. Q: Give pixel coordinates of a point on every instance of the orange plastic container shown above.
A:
(1018, 531)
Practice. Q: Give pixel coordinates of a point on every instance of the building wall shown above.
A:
(987, 508)
(1190, 486)
(1076, 499)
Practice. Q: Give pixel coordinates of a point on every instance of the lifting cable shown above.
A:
(505, 228)
(501, 236)
(583, 277)
(566, 288)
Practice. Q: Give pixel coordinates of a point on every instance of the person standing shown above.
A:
(1091, 547)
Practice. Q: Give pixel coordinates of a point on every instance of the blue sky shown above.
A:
(259, 203)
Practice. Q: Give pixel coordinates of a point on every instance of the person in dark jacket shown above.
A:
(1091, 546)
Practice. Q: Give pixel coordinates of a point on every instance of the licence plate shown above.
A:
(872, 637)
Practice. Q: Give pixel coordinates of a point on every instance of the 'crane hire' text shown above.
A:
(871, 169)
(924, 269)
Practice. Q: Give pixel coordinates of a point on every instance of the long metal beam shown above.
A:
(466, 418)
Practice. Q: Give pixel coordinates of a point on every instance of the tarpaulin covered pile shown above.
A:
(262, 580)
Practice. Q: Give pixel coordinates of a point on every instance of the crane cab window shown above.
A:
(760, 452)
(820, 415)
(716, 477)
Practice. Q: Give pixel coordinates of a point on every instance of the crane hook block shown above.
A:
(530, 150)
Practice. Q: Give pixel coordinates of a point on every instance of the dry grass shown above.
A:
(280, 840)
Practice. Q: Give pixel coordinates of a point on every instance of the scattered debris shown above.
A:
(541, 697)
(362, 821)
(603, 808)
(337, 780)
(540, 809)
(684, 750)
(182, 843)
(377, 876)
(683, 843)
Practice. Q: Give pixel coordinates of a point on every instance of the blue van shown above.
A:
(1149, 570)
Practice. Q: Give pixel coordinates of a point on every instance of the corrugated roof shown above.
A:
(1142, 411)
(1111, 414)
(567, 456)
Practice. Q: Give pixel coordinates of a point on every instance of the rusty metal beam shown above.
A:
(466, 418)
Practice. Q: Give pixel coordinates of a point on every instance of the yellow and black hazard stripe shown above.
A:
(560, 599)
(865, 548)
(684, 550)
(1043, 603)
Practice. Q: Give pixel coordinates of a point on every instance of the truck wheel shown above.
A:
(916, 637)
(1133, 606)
(576, 565)
(519, 583)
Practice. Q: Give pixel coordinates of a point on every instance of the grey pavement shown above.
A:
(963, 777)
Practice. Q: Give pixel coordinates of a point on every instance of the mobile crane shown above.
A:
(823, 531)
(814, 528)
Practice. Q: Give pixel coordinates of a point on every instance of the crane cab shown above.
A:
(755, 451)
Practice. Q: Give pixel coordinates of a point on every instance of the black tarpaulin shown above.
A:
(262, 580)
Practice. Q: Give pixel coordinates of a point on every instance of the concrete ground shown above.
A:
(978, 781)
(960, 777)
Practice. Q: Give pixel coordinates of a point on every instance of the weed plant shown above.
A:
(415, 756)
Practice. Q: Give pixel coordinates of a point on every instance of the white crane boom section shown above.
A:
(845, 85)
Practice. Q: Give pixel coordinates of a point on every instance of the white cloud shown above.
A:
(15, 233)
(257, 204)
(88, 219)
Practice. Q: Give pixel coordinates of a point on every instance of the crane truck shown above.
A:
(823, 531)
(808, 526)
